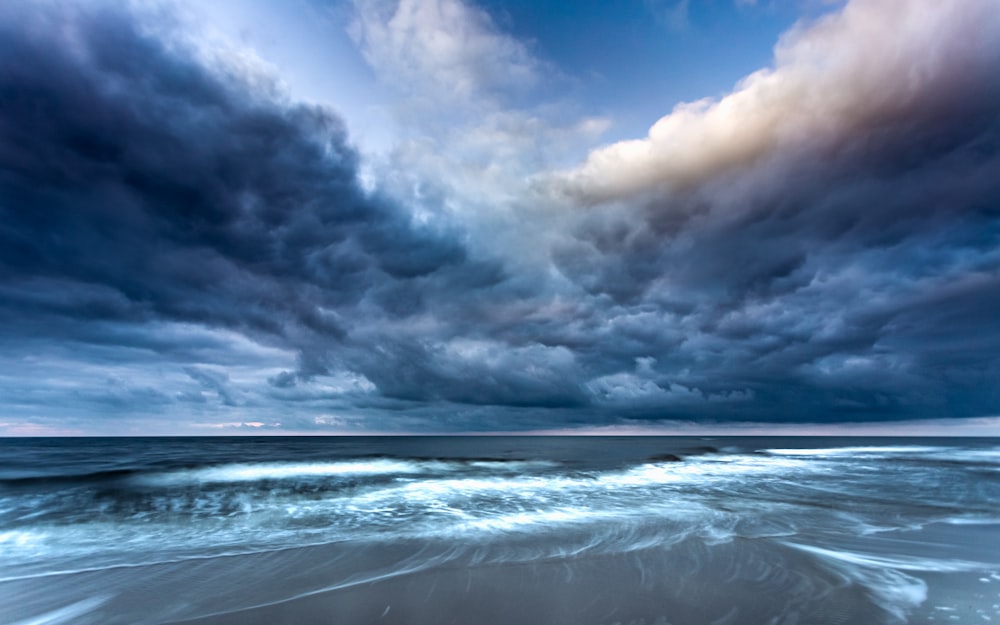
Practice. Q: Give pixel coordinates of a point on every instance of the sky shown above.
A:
(448, 216)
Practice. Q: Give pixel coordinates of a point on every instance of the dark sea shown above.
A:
(491, 530)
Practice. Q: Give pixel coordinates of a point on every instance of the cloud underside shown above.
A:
(178, 237)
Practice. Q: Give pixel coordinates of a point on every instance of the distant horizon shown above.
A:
(967, 428)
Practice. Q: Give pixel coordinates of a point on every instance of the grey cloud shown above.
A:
(215, 381)
(816, 279)
(139, 184)
(142, 187)
(485, 372)
(285, 379)
(129, 165)
(837, 274)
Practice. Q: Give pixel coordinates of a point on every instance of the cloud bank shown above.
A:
(181, 242)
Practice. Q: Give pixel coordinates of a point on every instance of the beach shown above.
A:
(581, 531)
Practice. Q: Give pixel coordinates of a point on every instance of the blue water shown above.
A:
(85, 524)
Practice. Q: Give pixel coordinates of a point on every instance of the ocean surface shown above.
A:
(520, 530)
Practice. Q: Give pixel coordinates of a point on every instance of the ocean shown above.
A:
(491, 530)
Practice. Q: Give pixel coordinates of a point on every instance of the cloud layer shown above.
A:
(178, 237)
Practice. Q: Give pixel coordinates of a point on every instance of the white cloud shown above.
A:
(474, 122)
(450, 45)
(838, 78)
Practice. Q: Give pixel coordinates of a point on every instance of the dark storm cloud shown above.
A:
(214, 381)
(832, 275)
(803, 290)
(128, 165)
(477, 372)
(138, 184)
(848, 287)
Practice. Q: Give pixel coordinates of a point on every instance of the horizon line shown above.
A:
(972, 427)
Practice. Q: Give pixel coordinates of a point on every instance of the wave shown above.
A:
(894, 561)
(866, 450)
(273, 471)
(247, 507)
(986, 456)
(289, 470)
(214, 508)
(894, 591)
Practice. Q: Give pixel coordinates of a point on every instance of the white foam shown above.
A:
(512, 465)
(533, 487)
(972, 520)
(895, 591)
(20, 539)
(66, 614)
(520, 520)
(854, 451)
(252, 472)
(290, 470)
(897, 562)
(974, 455)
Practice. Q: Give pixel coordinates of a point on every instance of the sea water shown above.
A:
(669, 530)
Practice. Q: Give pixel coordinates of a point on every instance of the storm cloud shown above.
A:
(822, 244)
(139, 184)
(809, 233)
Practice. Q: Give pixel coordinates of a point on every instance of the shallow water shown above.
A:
(575, 530)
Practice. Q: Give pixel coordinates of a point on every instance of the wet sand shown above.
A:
(740, 582)
(744, 581)
(957, 597)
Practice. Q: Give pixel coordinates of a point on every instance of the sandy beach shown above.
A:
(689, 584)
(520, 532)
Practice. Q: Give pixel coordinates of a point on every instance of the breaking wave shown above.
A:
(486, 510)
